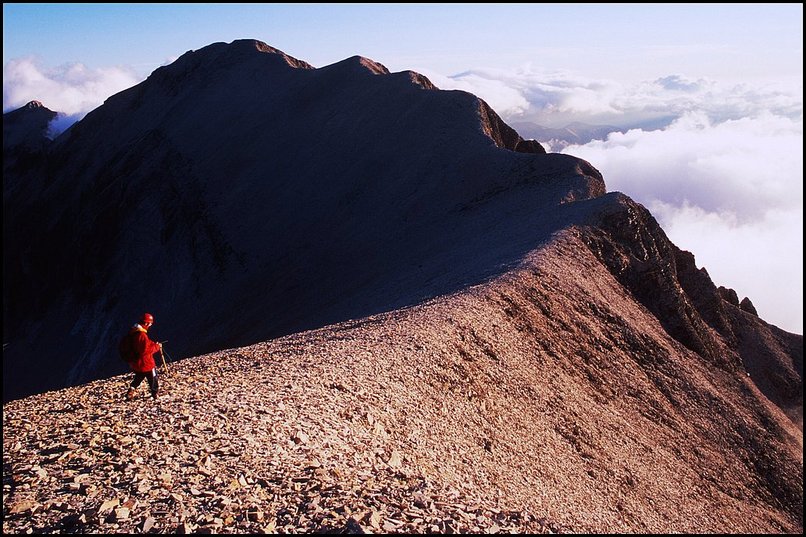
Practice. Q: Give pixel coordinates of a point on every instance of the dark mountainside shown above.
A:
(514, 350)
(240, 195)
(25, 137)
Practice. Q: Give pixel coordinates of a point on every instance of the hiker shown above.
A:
(141, 351)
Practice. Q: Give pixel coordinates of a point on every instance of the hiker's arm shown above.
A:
(145, 345)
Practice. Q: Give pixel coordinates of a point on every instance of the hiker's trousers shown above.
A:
(152, 380)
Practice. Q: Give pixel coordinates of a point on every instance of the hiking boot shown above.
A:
(130, 394)
(154, 395)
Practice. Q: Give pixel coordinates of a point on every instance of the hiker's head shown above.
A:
(147, 320)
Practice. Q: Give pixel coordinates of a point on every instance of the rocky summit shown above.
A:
(440, 332)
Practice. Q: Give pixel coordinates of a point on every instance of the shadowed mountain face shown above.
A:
(239, 194)
(25, 137)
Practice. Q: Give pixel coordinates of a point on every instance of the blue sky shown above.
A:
(622, 41)
(713, 94)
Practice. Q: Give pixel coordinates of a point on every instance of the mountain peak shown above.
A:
(260, 46)
(370, 65)
(35, 107)
(355, 65)
(25, 131)
(224, 54)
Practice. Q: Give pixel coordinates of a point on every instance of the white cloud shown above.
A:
(762, 259)
(730, 192)
(558, 98)
(504, 99)
(680, 83)
(528, 95)
(72, 90)
(746, 166)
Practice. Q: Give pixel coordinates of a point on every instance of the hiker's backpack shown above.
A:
(126, 348)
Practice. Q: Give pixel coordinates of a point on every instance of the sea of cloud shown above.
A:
(730, 192)
(720, 165)
(557, 98)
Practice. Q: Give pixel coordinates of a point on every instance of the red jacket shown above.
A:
(145, 350)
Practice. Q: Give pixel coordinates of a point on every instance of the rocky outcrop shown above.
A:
(708, 320)
(503, 135)
(529, 146)
(728, 295)
(747, 305)
(631, 243)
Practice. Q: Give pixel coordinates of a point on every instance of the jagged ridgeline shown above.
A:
(506, 346)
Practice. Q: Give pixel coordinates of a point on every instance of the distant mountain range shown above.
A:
(578, 133)
(572, 134)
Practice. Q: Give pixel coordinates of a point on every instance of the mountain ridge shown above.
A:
(503, 407)
(426, 330)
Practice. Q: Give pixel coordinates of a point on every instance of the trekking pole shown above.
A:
(164, 365)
